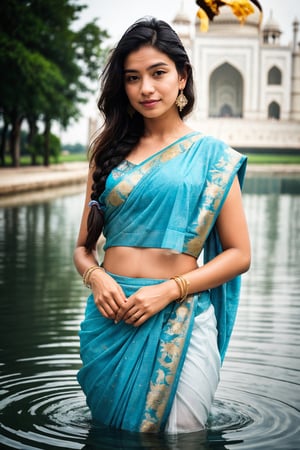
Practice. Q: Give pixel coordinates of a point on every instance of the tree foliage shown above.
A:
(45, 66)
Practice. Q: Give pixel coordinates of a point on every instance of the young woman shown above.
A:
(157, 322)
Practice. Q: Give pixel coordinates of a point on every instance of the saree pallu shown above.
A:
(172, 201)
(130, 375)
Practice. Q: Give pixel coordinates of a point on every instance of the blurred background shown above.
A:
(248, 93)
(52, 54)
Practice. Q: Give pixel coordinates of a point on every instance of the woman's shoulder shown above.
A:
(214, 144)
(211, 141)
(215, 152)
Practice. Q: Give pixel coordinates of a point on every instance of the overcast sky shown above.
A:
(117, 15)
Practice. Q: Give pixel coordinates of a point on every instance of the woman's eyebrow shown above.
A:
(153, 66)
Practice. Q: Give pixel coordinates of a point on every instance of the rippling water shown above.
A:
(42, 304)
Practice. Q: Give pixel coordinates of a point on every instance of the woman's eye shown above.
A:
(159, 73)
(131, 78)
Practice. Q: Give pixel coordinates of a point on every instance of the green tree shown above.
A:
(35, 148)
(44, 67)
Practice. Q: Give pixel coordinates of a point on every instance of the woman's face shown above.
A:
(152, 82)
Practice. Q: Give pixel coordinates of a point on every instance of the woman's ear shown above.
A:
(183, 79)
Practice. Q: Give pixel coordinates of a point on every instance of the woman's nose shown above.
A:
(147, 86)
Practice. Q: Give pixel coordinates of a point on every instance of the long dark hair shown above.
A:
(121, 130)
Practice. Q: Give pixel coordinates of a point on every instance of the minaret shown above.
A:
(182, 25)
(295, 91)
(271, 31)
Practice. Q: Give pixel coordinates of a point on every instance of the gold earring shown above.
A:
(181, 100)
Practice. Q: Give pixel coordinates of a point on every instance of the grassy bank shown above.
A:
(253, 158)
(26, 160)
(273, 159)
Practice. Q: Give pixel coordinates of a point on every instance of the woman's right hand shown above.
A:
(108, 294)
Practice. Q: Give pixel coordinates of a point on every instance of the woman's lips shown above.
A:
(149, 103)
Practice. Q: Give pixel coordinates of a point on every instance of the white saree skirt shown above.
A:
(199, 378)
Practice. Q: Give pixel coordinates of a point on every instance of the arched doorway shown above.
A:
(226, 111)
(274, 111)
(274, 76)
(226, 92)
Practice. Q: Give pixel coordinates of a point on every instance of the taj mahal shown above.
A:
(248, 84)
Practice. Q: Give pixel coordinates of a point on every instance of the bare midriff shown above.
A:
(137, 262)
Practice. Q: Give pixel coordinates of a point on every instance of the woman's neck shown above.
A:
(165, 130)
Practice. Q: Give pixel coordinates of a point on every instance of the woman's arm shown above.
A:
(82, 259)
(236, 256)
(108, 295)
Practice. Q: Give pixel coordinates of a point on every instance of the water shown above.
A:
(42, 303)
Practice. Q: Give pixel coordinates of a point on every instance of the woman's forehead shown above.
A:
(146, 57)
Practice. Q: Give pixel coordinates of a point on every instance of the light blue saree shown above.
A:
(171, 200)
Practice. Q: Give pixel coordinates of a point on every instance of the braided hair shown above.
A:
(122, 130)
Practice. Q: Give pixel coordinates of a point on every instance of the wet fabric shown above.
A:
(199, 378)
(129, 374)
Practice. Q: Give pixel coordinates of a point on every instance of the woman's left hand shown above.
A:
(146, 302)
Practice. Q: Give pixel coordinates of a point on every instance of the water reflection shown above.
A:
(273, 184)
(42, 303)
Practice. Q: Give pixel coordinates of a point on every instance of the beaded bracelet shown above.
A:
(86, 275)
(183, 285)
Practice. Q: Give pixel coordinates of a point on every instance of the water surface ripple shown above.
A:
(42, 303)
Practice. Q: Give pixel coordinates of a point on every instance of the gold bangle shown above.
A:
(179, 283)
(87, 271)
(183, 285)
(86, 275)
